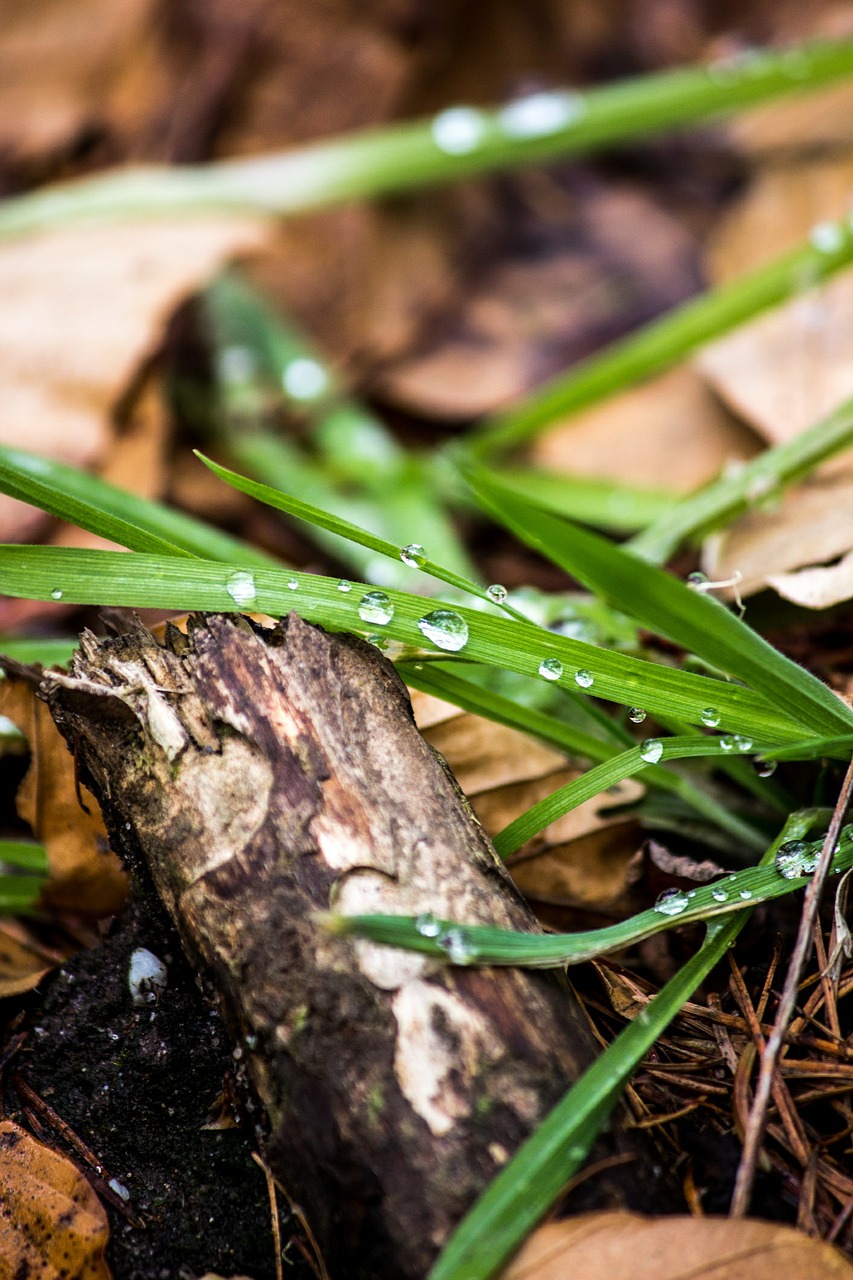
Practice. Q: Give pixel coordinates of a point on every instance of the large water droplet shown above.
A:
(550, 668)
(746, 894)
(293, 584)
(672, 902)
(764, 768)
(304, 379)
(636, 715)
(727, 743)
(742, 743)
(719, 895)
(457, 946)
(710, 717)
(540, 114)
(241, 587)
(427, 925)
(458, 130)
(826, 237)
(651, 750)
(413, 555)
(446, 629)
(56, 594)
(496, 592)
(795, 858)
(344, 586)
(375, 607)
(585, 679)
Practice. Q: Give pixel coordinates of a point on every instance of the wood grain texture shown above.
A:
(264, 776)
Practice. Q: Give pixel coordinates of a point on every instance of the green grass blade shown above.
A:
(23, 853)
(50, 653)
(839, 748)
(93, 504)
(461, 944)
(668, 607)
(526, 1187)
(140, 581)
(449, 147)
(19, 892)
(590, 500)
(723, 499)
(662, 343)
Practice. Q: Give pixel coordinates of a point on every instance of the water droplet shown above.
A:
(344, 586)
(719, 895)
(375, 607)
(727, 743)
(671, 902)
(651, 750)
(697, 580)
(241, 587)
(378, 642)
(764, 768)
(636, 715)
(742, 744)
(550, 668)
(795, 858)
(746, 894)
(496, 592)
(293, 584)
(458, 130)
(304, 379)
(413, 555)
(457, 946)
(540, 114)
(56, 594)
(446, 629)
(585, 679)
(826, 237)
(427, 925)
(710, 717)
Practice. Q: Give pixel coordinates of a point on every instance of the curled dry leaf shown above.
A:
(82, 308)
(580, 860)
(24, 961)
(625, 1246)
(85, 876)
(52, 1224)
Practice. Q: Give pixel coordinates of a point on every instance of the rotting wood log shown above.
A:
(262, 776)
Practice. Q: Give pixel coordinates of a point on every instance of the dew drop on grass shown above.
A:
(672, 902)
(56, 594)
(445, 629)
(795, 858)
(727, 743)
(742, 744)
(379, 642)
(651, 750)
(710, 717)
(293, 584)
(826, 237)
(344, 586)
(746, 894)
(457, 946)
(764, 768)
(496, 592)
(541, 114)
(719, 895)
(458, 130)
(697, 580)
(427, 925)
(550, 668)
(374, 606)
(241, 587)
(304, 379)
(585, 679)
(636, 715)
(413, 555)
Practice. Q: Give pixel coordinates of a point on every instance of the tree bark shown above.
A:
(264, 776)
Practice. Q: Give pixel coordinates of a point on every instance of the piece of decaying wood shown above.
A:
(264, 776)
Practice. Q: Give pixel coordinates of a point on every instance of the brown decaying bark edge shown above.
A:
(262, 777)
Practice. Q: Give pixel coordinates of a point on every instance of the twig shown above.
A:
(787, 1002)
(276, 1226)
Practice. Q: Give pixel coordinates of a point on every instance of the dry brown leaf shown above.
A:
(82, 308)
(85, 876)
(670, 432)
(818, 588)
(52, 1224)
(579, 860)
(23, 959)
(626, 1246)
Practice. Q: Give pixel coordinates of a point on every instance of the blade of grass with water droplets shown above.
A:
(666, 606)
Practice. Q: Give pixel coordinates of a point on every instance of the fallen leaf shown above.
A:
(85, 876)
(626, 1246)
(671, 429)
(23, 959)
(817, 588)
(82, 308)
(52, 1224)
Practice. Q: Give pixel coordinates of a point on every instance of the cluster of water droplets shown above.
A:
(453, 939)
(458, 131)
